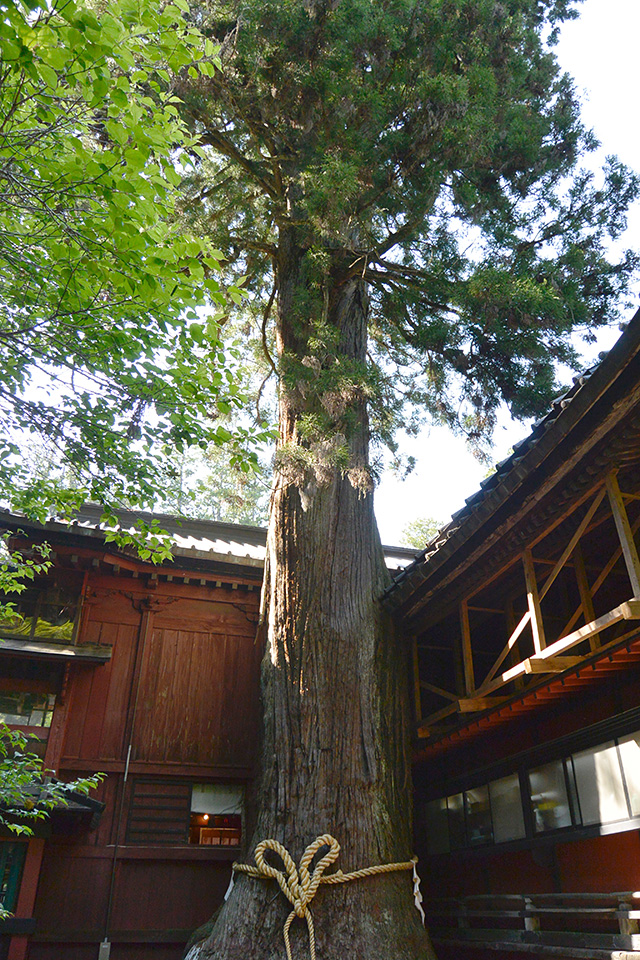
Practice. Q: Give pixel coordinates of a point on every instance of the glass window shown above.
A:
(478, 815)
(436, 826)
(457, 832)
(549, 801)
(48, 614)
(56, 614)
(506, 809)
(20, 623)
(600, 787)
(630, 756)
(216, 814)
(28, 709)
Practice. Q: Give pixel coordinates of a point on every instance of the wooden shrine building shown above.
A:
(524, 617)
(150, 675)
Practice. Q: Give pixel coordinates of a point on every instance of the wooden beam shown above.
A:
(485, 609)
(440, 691)
(421, 620)
(568, 550)
(417, 702)
(626, 611)
(625, 534)
(467, 652)
(438, 715)
(600, 579)
(551, 664)
(516, 656)
(586, 598)
(547, 586)
(476, 704)
(513, 639)
(533, 600)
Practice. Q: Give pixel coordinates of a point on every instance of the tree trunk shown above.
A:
(334, 678)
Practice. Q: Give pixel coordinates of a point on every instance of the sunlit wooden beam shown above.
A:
(625, 534)
(476, 704)
(551, 664)
(533, 601)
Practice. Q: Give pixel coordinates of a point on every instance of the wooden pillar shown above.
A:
(625, 535)
(27, 897)
(58, 728)
(417, 701)
(533, 599)
(516, 654)
(586, 598)
(467, 653)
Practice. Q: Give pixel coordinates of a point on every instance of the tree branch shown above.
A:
(214, 138)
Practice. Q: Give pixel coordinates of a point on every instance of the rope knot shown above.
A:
(299, 885)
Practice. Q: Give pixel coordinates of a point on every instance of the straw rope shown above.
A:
(299, 885)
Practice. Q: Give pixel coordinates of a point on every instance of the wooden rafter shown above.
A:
(533, 601)
(560, 563)
(548, 657)
(586, 598)
(440, 691)
(467, 653)
(629, 549)
(600, 579)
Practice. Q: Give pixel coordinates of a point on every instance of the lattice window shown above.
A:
(159, 813)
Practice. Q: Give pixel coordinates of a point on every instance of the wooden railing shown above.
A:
(576, 924)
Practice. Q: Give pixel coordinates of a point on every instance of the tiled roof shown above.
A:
(208, 540)
(527, 454)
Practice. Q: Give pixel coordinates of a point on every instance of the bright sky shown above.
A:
(599, 50)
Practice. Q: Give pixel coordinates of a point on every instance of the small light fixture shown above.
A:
(205, 817)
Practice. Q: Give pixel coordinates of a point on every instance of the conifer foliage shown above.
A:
(400, 181)
(433, 149)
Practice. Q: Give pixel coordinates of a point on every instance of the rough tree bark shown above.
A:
(334, 682)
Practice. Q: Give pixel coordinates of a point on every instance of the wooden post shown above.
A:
(629, 549)
(531, 923)
(417, 702)
(19, 946)
(586, 598)
(467, 653)
(533, 599)
(628, 927)
(516, 654)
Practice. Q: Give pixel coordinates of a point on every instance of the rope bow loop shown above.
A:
(299, 885)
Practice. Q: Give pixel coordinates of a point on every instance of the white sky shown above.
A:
(599, 50)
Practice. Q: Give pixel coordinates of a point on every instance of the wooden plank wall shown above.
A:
(197, 701)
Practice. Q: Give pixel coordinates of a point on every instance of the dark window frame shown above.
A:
(574, 831)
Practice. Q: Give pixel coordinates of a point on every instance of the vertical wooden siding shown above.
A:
(198, 694)
(198, 691)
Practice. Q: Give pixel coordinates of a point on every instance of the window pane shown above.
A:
(53, 610)
(28, 709)
(600, 788)
(20, 624)
(56, 614)
(506, 809)
(216, 814)
(478, 815)
(630, 754)
(436, 826)
(549, 801)
(217, 798)
(457, 832)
